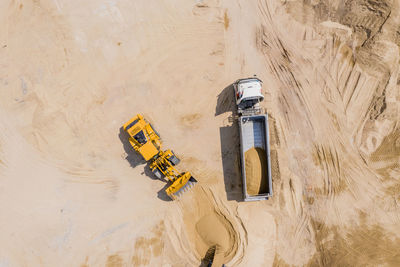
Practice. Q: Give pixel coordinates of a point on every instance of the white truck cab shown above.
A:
(248, 93)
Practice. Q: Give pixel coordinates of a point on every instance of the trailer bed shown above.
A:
(254, 133)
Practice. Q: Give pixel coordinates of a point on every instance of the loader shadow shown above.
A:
(135, 159)
(132, 157)
(230, 144)
(161, 193)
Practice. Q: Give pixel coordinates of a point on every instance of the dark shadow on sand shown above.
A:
(230, 144)
(132, 157)
(226, 101)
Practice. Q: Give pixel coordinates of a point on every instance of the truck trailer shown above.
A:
(254, 140)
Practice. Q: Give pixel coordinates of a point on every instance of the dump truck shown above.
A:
(147, 142)
(254, 136)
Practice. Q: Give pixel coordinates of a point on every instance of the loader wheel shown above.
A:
(174, 160)
(157, 173)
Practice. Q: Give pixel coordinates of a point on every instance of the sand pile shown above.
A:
(256, 171)
(213, 233)
(211, 229)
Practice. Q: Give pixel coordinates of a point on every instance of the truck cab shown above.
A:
(248, 93)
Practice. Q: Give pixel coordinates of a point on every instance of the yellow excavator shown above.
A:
(145, 140)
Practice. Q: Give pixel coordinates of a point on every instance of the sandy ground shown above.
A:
(73, 193)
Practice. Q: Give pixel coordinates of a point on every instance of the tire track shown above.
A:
(322, 126)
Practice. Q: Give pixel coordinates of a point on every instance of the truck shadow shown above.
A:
(135, 159)
(229, 138)
(226, 101)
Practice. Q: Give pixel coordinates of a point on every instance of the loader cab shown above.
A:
(140, 138)
(248, 93)
(143, 137)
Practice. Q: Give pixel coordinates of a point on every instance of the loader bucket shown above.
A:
(181, 185)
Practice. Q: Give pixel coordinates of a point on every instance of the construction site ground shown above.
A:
(74, 193)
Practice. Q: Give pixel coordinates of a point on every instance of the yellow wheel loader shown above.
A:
(145, 140)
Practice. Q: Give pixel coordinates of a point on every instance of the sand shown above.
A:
(213, 232)
(73, 72)
(211, 227)
(256, 171)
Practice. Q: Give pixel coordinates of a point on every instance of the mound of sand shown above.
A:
(256, 171)
(211, 229)
(213, 233)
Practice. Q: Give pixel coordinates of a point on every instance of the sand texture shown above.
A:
(256, 171)
(212, 229)
(214, 234)
(74, 193)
